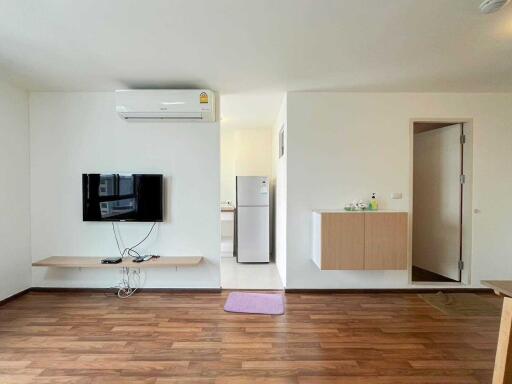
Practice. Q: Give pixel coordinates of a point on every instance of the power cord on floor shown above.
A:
(130, 282)
(128, 285)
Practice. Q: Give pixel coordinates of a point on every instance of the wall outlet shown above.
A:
(396, 195)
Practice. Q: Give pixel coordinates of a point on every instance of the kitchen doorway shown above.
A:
(441, 200)
(246, 209)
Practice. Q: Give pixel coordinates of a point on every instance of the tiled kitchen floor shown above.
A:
(248, 276)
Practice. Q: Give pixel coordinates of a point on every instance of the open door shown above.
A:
(437, 201)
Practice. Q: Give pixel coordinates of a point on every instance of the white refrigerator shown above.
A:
(252, 232)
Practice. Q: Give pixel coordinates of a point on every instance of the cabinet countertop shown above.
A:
(365, 211)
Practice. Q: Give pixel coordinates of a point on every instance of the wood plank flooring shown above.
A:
(171, 338)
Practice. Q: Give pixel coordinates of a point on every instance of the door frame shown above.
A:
(467, 201)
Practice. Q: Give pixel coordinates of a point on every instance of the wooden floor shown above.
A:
(96, 338)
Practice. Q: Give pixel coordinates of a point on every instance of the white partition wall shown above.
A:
(74, 133)
(345, 146)
(280, 187)
(14, 191)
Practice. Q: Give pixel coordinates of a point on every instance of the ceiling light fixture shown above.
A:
(490, 6)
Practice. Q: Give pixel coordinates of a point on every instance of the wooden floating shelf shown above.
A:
(95, 262)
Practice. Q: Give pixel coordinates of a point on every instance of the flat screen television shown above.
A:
(122, 197)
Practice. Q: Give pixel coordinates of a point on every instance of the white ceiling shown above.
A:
(256, 46)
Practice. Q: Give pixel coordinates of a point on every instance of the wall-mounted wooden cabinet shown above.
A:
(360, 240)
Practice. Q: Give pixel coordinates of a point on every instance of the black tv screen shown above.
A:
(122, 197)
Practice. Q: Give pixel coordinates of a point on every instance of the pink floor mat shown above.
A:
(261, 303)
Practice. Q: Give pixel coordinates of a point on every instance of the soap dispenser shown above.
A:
(374, 204)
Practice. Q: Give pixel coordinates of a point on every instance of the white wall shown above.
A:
(75, 133)
(227, 164)
(244, 152)
(279, 173)
(14, 191)
(343, 146)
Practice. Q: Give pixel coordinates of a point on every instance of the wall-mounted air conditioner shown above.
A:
(169, 104)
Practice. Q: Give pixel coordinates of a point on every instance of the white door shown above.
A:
(252, 191)
(437, 201)
(253, 234)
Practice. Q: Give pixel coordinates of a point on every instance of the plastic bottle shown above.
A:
(374, 203)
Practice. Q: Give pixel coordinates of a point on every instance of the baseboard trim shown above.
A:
(113, 290)
(219, 290)
(13, 297)
(251, 290)
(390, 290)
(179, 290)
(75, 290)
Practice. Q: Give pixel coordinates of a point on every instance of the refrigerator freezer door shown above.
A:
(253, 235)
(252, 191)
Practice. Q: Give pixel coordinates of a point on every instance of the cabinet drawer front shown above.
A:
(385, 241)
(342, 241)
